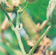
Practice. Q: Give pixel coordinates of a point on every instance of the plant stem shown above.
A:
(17, 22)
(18, 14)
(26, 5)
(11, 24)
(19, 41)
(18, 35)
(33, 49)
(16, 31)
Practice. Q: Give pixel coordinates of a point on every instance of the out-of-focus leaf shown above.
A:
(22, 1)
(1, 53)
(26, 47)
(38, 9)
(6, 48)
(11, 37)
(2, 16)
(53, 44)
(30, 1)
(52, 33)
(2, 4)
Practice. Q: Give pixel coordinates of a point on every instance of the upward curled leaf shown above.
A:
(51, 12)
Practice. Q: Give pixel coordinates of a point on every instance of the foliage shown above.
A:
(38, 10)
(29, 13)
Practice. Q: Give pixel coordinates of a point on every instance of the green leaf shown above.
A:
(2, 17)
(30, 1)
(1, 53)
(53, 44)
(11, 37)
(6, 48)
(52, 33)
(26, 47)
(52, 17)
(38, 10)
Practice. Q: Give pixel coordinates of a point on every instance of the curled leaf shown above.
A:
(51, 12)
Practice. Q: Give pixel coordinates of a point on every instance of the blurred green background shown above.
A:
(37, 10)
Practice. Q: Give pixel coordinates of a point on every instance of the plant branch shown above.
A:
(19, 41)
(18, 35)
(17, 26)
(26, 5)
(17, 22)
(11, 24)
(32, 50)
(19, 12)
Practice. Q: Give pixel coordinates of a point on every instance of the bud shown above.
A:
(51, 12)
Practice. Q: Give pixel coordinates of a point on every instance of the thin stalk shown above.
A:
(33, 49)
(16, 31)
(18, 14)
(26, 5)
(11, 24)
(18, 35)
(19, 41)
(17, 21)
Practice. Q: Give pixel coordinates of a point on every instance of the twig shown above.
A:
(32, 50)
(19, 41)
(17, 33)
(15, 29)
(26, 5)
(11, 24)
(19, 12)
